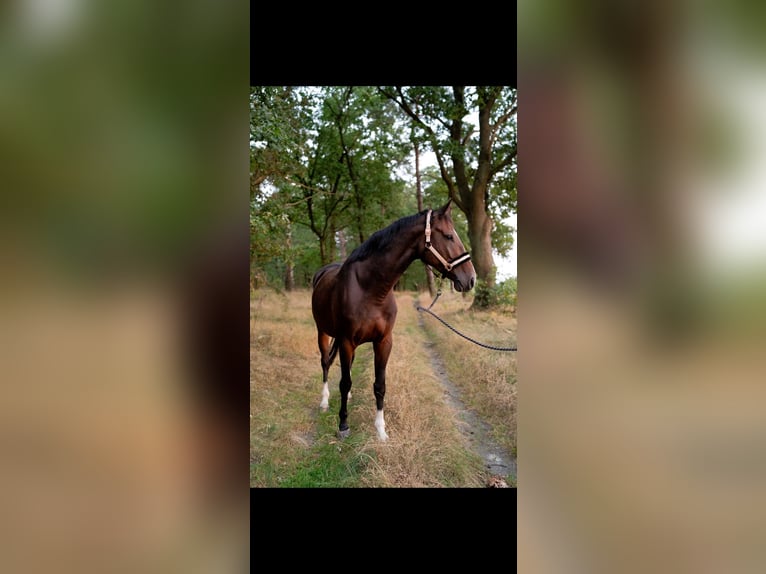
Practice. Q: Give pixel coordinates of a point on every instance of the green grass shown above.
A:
(328, 461)
(331, 464)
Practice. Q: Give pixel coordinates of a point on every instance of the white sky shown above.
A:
(507, 266)
(730, 214)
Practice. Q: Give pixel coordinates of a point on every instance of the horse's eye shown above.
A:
(448, 236)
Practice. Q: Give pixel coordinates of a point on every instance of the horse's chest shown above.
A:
(372, 324)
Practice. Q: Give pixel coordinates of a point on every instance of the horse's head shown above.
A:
(445, 252)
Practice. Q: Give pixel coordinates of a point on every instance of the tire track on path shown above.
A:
(474, 429)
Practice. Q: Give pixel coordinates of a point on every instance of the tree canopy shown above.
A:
(331, 165)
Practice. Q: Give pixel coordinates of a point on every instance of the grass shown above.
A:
(486, 378)
(293, 444)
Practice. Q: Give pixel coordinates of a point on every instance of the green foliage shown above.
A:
(446, 125)
(507, 292)
(484, 295)
(501, 295)
(323, 165)
(327, 168)
(269, 232)
(278, 133)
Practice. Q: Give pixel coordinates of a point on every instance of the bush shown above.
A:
(501, 295)
(507, 292)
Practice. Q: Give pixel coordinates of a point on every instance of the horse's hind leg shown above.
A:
(346, 360)
(324, 350)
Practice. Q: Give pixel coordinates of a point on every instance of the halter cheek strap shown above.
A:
(448, 265)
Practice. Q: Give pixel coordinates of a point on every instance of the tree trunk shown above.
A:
(289, 272)
(321, 235)
(332, 248)
(289, 277)
(322, 252)
(419, 191)
(479, 222)
(342, 244)
(480, 234)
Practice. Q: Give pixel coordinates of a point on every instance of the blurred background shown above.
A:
(642, 435)
(123, 245)
(642, 200)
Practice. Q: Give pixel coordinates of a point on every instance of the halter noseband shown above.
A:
(448, 265)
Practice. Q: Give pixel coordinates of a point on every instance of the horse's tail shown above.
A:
(333, 352)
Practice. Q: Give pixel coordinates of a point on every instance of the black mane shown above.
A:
(381, 239)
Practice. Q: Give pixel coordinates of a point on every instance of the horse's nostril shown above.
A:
(471, 282)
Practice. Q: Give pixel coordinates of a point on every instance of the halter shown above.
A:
(448, 265)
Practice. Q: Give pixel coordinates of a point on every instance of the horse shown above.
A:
(353, 302)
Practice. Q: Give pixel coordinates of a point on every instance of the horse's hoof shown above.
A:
(344, 433)
(323, 408)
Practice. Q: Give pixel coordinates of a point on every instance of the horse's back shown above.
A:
(324, 271)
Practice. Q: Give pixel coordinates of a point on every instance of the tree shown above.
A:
(476, 162)
(419, 193)
(277, 142)
(328, 158)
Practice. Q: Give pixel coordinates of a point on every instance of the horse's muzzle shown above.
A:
(461, 286)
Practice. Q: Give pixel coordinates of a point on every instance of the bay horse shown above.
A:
(353, 302)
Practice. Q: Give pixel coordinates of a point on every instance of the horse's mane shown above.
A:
(381, 239)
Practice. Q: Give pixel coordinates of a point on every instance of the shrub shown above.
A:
(503, 294)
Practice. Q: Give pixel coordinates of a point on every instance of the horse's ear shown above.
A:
(447, 209)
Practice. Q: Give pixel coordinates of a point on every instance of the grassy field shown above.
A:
(293, 444)
(486, 378)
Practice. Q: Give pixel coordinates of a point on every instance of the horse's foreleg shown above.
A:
(346, 359)
(382, 352)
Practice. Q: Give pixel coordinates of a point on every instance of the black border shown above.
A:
(479, 519)
(383, 45)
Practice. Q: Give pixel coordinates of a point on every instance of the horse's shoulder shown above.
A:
(330, 268)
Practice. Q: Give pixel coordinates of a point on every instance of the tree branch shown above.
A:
(504, 163)
(401, 101)
(257, 180)
(458, 154)
(500, 122)
(504, 118)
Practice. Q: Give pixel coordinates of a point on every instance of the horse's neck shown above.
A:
(382, 270)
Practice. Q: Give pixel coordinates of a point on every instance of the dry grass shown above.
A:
(486, 378)
(425, 448)
(293, 444)
(282, 388)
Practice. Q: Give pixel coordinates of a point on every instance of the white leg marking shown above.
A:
(325, 405)
(380, 424)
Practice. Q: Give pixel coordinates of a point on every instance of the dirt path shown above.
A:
(475, 431)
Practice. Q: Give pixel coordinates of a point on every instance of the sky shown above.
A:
(728, 216)
(506, 266)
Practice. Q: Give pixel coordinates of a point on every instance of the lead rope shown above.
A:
(474, 341)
